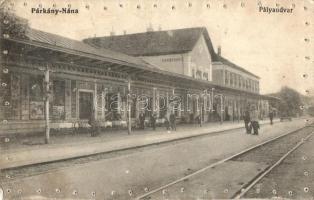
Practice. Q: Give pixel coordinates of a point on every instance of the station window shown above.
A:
(58, 101)
(193, 73)
(36, 98)
(256, 86)
(112, 106)
(252, 85)
(240, 81)
(226, 78)
(36, 88)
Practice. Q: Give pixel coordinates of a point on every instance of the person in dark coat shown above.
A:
(271, 116)
(254, 120)
(247, 120)
(199, 120)
(142, 121)
(94, 125)
(172, 118)
(153, 121)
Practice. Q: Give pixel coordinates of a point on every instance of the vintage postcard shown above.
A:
(156, 99)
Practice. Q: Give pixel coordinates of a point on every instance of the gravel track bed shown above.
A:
(273, 151)
(8, 175)
(292, 179)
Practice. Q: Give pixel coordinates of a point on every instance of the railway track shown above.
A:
(260, 152)
(40, 168)
(249, 186)
(152, 188)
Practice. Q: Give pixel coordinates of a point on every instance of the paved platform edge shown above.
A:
(36, 159)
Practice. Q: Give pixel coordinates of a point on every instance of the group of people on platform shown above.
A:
(251, 120)
(170, 123)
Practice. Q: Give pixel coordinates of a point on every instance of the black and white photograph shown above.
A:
(156, 99)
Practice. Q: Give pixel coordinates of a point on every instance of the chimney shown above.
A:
(219, 50)
(112, 33)
(124, 32)
(150, 28)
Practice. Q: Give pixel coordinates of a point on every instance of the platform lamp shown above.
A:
(154, 100)
(172, 97)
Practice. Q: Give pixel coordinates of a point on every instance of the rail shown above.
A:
(243, 191)
(216, 164)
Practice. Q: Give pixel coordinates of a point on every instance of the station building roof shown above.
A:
(43, 40)
(154, 43)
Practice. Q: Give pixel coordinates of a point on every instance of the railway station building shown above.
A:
(153, 72)
(190, 52)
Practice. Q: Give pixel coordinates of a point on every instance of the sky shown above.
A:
(271, 46)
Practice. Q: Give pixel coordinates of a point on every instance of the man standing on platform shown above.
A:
(254, 120)
(153, 121)
(94, 124)
(247, 120)
(172, 119)
(271, 116)
(142, 120)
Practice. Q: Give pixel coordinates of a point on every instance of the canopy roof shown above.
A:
(47, 45)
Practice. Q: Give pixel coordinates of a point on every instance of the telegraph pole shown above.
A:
(221, 109)
(213, 99)
(201, 113)
(129, 106)
(47, 91)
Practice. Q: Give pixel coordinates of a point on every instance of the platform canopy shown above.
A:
(50, 48)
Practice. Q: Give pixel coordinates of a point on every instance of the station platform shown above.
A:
(18, 152)
(137, 169)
